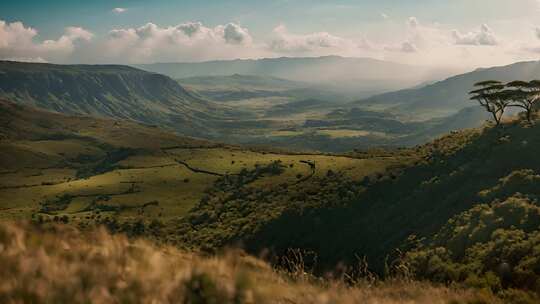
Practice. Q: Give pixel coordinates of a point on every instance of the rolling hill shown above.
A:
(110, 91)
(448, 96)
(54, 165)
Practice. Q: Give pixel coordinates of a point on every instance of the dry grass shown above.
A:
(63, 265)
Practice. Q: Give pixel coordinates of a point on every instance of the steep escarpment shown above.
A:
(110, 91)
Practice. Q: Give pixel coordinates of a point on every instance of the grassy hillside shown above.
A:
(86, 170)
(447, 96)
(60, 264)
(110, 91)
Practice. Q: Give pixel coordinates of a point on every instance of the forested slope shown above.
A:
(467, 181)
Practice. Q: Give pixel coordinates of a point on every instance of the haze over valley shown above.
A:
(257, 110)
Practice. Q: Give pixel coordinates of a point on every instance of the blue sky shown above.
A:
(52, 16)
(483, 31)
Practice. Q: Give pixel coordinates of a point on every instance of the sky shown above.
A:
(434, 33)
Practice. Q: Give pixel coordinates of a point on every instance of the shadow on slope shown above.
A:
(419, 202)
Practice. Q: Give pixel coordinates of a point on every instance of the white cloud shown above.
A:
(191, 28)
(484, 36)
(319, 43)
(384, 16)
(15, 35)
(119, 10)
(235, 34)
(412, 41)
(184, 42)
(17, 41)
(75, 33)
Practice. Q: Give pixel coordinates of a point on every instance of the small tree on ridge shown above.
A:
(524, 95)
(490, 96)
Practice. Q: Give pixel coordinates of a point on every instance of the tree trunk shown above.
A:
(496, 118)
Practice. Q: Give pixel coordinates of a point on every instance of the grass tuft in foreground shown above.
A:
(60, 264)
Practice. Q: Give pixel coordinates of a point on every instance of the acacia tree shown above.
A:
(523, 95)
(490, 95)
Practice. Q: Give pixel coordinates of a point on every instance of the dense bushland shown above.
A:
(485, 180)
(494, 245)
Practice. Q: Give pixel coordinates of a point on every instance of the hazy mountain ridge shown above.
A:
(356, 77)
(450, 95)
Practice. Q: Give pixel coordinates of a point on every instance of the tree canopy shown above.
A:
(496, 97)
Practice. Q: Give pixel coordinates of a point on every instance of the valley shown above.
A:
(78, 167)
(261, 111)
(270, 152)
(302, 116)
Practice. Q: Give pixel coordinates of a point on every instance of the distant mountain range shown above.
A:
(355, 76)
(448, 96)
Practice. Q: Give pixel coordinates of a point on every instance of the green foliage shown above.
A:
(109, 162)
(471, 207)
(490, 98)
(495, 245)
(233, 210)
(56, 204)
